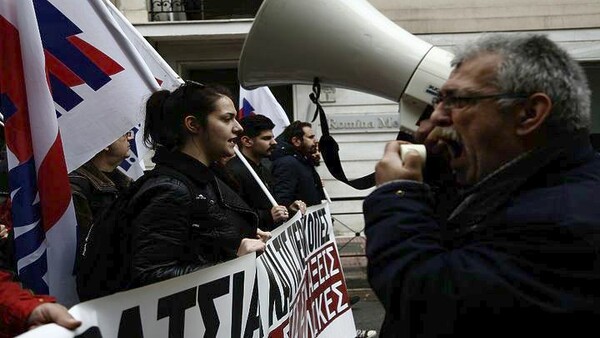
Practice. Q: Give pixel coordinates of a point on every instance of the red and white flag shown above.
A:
(71, 83)
(261, 101)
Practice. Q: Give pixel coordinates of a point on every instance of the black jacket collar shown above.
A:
(284, 148)
(184, 163)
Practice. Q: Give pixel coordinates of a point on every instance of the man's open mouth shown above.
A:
(445, 137)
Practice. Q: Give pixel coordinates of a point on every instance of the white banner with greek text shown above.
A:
(294, 289)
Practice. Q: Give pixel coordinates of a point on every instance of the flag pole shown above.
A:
(326, 195)
(256, 178)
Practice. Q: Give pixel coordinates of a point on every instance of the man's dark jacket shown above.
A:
(93, 193)
(524, 255)
(250, 191)
(294, 177)
(177, 231)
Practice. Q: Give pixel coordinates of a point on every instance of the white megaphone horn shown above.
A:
(343, 43)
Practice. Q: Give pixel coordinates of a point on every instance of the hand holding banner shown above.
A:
(295, 288)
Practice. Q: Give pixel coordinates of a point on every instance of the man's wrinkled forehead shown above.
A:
(473, 73)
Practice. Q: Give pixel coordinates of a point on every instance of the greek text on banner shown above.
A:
(295, 288)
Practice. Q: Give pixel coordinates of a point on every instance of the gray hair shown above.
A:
(533, 63)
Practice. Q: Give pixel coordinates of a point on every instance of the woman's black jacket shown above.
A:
(176, 230)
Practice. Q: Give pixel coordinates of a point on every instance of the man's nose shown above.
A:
(441, 116)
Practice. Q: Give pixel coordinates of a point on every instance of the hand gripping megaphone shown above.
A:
(343, 43)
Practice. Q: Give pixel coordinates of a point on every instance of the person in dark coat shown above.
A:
(178, 229)
(524, 255)
(256, 143)
(294, 173)
(98, 182)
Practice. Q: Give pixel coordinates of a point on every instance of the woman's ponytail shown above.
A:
(157, 130)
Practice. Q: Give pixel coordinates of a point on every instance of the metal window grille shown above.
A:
(171, 10)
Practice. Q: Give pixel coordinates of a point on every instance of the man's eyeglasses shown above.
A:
(459, 102)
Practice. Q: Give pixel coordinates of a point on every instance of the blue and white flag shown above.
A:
(261, 101)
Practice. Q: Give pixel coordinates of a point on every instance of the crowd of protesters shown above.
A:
(501, 235)
(191, 211)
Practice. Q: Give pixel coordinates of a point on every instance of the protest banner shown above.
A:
(214, 302)
(301, 278)
(295, 288)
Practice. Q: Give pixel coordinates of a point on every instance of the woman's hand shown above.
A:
(279, 214)
(298, 206)
(3, 231)
(263, 235)
(249, 245)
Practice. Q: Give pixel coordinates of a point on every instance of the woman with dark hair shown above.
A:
(187, 218)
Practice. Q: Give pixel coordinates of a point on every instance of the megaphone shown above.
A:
(344, 43)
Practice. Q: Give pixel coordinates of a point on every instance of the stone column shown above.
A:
(136, 11)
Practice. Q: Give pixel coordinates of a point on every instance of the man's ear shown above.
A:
(296, 141)
(533, 114)
(246, 141)
(192, 124)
